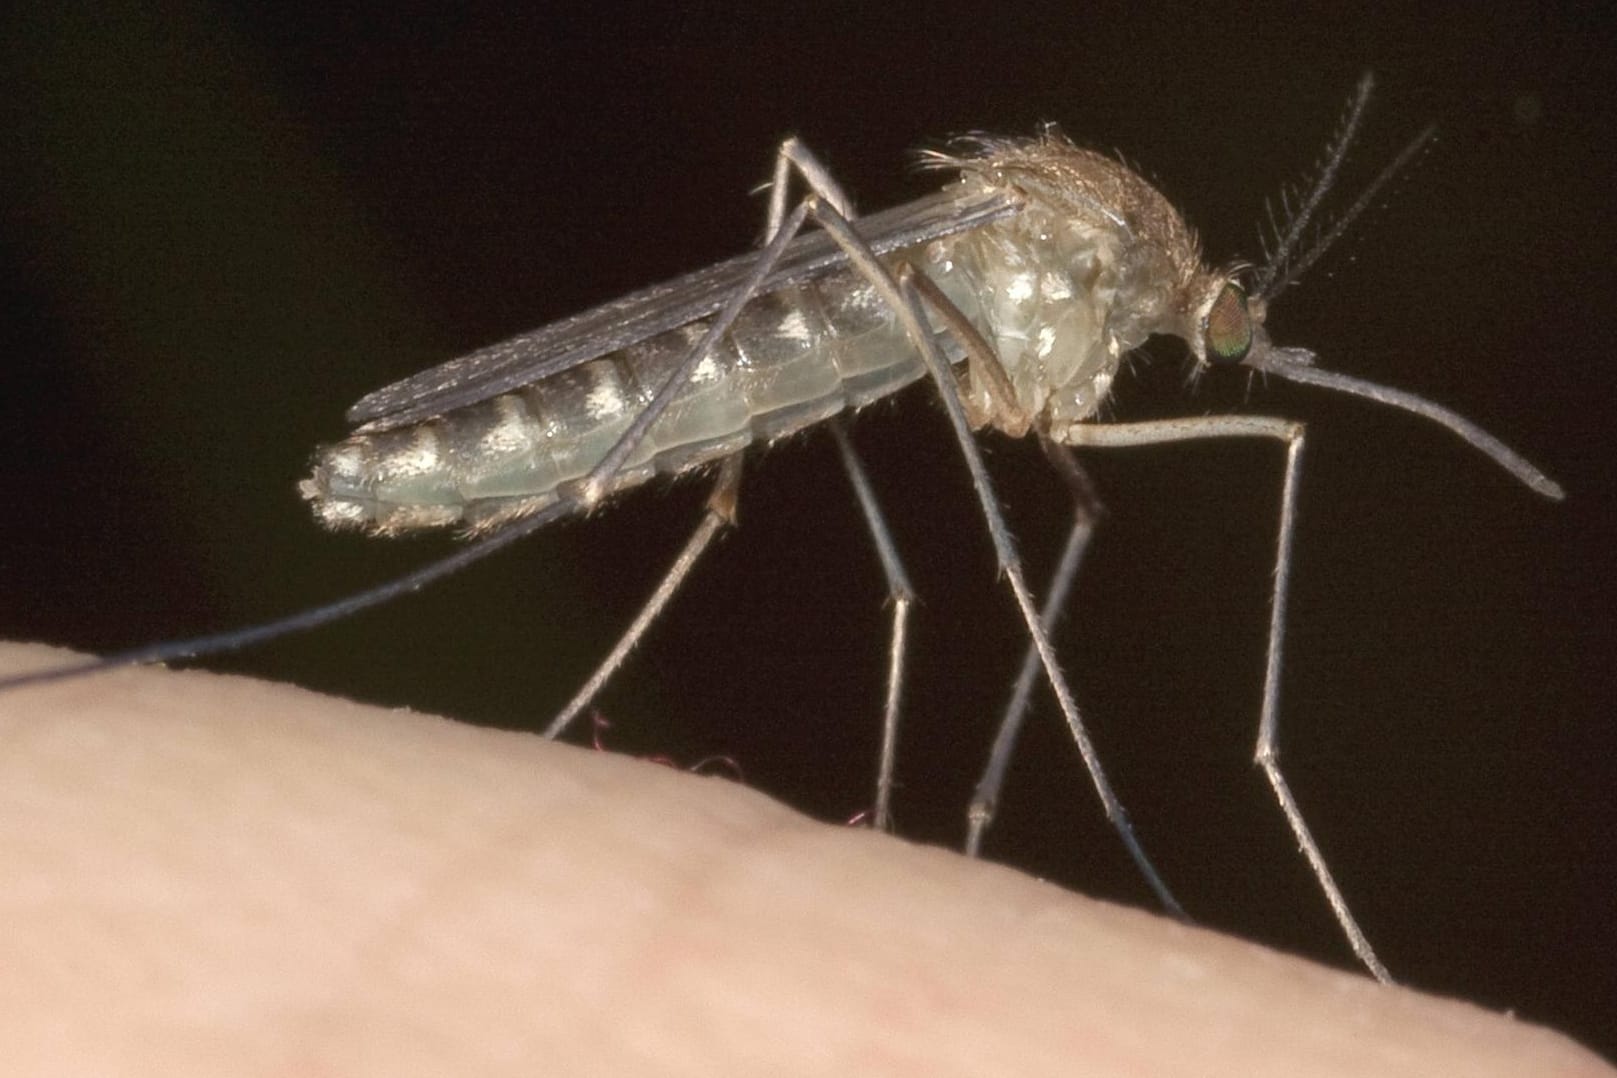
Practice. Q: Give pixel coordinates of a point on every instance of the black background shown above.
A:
(222, 226)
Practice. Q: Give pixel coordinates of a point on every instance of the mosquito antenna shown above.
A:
(1295, 270)
(1296, 364)
(1297, 221)
(236, 639)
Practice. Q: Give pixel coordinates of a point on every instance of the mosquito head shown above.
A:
(1230, 331)
(1231, 314)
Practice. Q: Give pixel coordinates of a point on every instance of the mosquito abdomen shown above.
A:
(793, 358)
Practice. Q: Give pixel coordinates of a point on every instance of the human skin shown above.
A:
(203, 874)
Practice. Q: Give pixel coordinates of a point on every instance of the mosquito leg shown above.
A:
(719, 515)
(902, 596)
(983, 359)
(793, 155)
(1085, 512)
(905, 299)
(165, 651)
(1267, 755)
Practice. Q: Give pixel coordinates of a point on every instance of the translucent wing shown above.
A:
(522, 360)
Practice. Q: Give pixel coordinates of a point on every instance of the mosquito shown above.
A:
(1019, 290)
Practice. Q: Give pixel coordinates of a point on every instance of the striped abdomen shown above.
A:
(792, 359)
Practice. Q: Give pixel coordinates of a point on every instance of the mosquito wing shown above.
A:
(522, 360)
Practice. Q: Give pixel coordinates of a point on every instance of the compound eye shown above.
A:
(1227, 330)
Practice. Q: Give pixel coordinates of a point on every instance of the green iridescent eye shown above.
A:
(1227, 329)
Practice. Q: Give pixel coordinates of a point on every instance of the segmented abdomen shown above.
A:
(793, 358)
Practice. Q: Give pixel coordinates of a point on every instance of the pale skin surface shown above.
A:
(210, 875)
